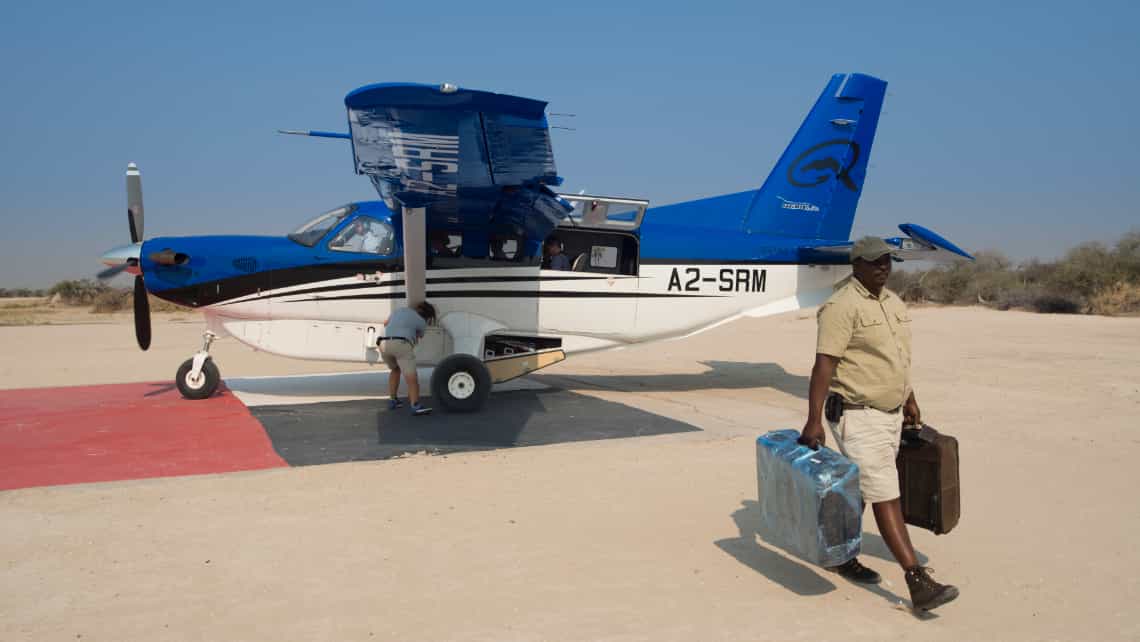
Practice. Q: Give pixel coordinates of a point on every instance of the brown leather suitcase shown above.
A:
(928, 479)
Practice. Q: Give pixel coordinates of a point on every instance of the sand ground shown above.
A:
(637, 539)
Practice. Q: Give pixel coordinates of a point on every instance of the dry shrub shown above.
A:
(158, 305)
(112, 300)
(117, 300)
(1119, 298)
(79, 292)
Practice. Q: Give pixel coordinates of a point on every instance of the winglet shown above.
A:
(314, 133)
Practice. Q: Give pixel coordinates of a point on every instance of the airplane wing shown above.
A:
(470, 158)
(920, 244)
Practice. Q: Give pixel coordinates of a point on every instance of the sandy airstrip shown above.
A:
(649, 538)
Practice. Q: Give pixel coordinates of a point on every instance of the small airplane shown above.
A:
(468, 220)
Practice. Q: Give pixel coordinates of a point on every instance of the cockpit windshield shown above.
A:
(315, 229)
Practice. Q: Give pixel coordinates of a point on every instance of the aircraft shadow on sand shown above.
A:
(358, 430)
(720, 375)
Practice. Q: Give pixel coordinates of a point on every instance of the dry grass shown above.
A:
(1118, 299)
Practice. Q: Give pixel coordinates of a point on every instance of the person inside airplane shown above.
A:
(443, 243)
(553, 258)
(361, 236)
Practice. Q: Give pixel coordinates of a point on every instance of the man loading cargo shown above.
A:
(863, 358)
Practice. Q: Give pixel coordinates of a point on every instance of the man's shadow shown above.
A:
(800, 578)
(792, 575)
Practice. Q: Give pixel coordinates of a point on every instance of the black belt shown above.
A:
(396, 338)
(859, 406)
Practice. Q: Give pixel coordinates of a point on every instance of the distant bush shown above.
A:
(112, 300)
(78, 292)
(1090, 278)
(119, 299)
(21, 293)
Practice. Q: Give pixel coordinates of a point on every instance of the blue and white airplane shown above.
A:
(467, 208)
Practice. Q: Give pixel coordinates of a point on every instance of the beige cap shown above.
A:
(870, 248)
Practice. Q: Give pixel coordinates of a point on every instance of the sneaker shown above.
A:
(418, 410)
(925, 593)
(856, 572)
(395, 403)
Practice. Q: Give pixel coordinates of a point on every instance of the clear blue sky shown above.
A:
(1011, 126)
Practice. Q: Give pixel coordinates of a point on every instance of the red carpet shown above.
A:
(73, 435)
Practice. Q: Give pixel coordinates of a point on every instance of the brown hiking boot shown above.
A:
(925, 593)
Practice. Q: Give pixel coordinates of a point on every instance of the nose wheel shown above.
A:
(198, 377)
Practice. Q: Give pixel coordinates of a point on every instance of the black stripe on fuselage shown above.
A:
(430, 281)
(473, 294)
(728, 262)
(225, 291)
(235, 287)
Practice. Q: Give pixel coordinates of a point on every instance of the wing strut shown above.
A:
(415, 253)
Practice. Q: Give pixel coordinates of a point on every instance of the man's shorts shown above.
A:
(398, 353)
(870, 438)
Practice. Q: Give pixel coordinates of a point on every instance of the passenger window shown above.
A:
(446, 244)
(603, 256)
(505, 249)
(365, 235)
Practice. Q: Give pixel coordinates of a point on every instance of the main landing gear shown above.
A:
(461, 383)
(198, 377)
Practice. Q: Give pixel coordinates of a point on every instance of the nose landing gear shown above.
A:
(198, 377)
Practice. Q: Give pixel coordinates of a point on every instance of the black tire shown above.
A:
(461, 383)
(207, 384)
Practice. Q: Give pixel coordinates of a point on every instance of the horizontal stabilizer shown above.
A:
(920, 244)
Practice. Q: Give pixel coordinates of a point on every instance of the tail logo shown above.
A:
(820, 162)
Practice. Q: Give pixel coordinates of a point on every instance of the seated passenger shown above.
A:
(438, 243)
(360, 238)
(553, 258)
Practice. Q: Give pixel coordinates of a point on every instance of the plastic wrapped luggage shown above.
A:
(810, 502)
(928, 479)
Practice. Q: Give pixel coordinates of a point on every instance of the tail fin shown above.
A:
(815, 186)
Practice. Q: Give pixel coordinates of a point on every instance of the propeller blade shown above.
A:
(142, 314)
(111, 271)
(134, 203)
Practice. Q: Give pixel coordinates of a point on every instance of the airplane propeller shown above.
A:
(135, 221)
(126, 258)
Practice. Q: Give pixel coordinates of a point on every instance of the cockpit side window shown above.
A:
(315, 229)
(365, 235)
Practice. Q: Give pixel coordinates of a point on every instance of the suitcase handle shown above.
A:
(911, 435)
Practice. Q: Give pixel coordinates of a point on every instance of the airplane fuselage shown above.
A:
(586, 311)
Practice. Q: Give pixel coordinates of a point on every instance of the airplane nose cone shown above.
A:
(124, 255)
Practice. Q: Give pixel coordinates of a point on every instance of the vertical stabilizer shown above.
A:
(815, 186)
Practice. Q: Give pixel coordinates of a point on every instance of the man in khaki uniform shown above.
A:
(863, 358)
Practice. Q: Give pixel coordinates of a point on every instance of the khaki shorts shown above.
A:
(398, 353)
(870, 438)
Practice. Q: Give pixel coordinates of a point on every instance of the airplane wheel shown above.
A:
(202, 387)
(461, 383)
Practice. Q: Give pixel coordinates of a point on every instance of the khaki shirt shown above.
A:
(871, 338)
